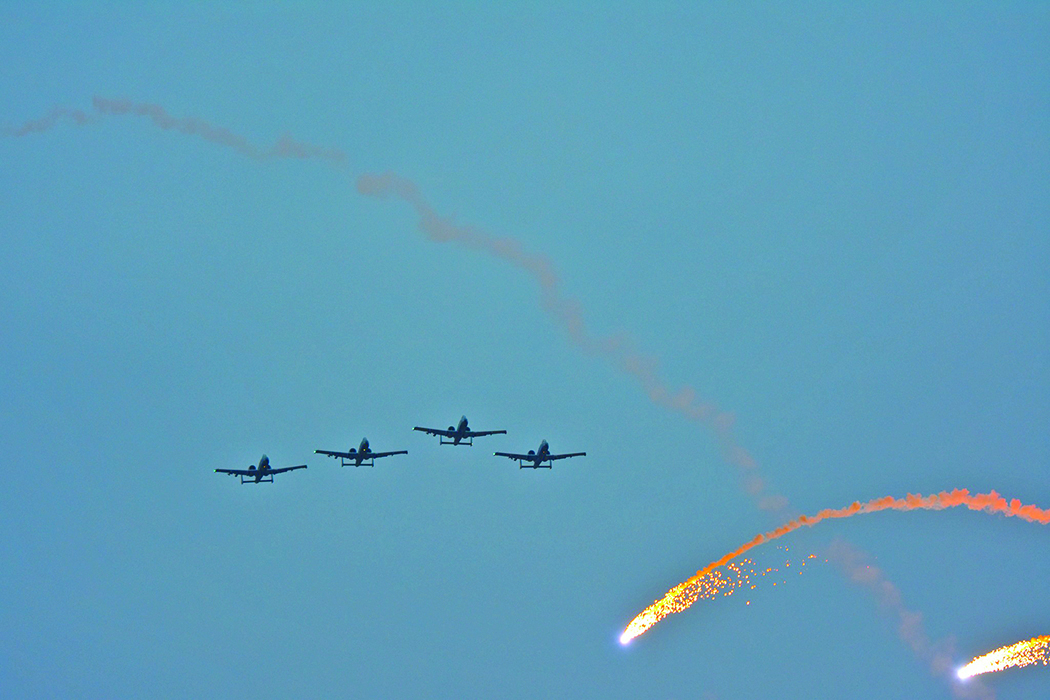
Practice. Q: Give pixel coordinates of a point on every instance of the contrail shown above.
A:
(1033, 651)
(685, 594)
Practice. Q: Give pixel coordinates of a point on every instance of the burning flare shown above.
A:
(1034, 651)
(685, 594)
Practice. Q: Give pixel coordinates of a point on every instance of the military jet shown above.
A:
(538, 457)
(363, 456)
(460, 435)
(257, 475)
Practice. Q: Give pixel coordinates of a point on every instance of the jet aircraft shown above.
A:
(258, 474)
(460, 435)
(363, 456)
(538, 457)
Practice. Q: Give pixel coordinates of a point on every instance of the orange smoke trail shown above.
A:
(1034, 651)
(681, 596)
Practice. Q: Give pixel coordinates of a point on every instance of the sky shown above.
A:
(830, 223)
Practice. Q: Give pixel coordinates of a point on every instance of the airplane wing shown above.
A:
(344, 455)
(436, 431)
(514, 456)
(566, 456)
(236, 472)
(287, 469)
(373, 455)
(481, 433)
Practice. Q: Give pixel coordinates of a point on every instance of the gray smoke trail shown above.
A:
(286, 146)
(939, 656)
(45, 123)
(566, 311)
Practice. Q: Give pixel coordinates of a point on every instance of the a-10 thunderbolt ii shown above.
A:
(460, 435)
(538, 457)
(363, 456)
(258, 475)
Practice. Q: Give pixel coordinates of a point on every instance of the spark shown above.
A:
(1033, 651)
(725, 582)
(685, 594)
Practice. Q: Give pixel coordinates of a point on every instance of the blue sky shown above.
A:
(831, 223)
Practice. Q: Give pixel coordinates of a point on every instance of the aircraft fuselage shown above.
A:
(362, 452)
(541, 454)
(262, 470)
(461, 429)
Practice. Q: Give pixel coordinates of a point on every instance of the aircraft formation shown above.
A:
(363, 456)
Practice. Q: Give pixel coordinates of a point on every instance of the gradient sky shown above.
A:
(832, 223)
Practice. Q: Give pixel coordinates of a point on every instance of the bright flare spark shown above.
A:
(686, 593)
(722, 582)
(1034, 651)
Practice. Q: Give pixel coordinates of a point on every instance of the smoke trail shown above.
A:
(939, 656)
(285, 147)
(36, 126)
(683, 595)
(619, 350)
(858, 569)
(566, 311)
(1033, 651)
